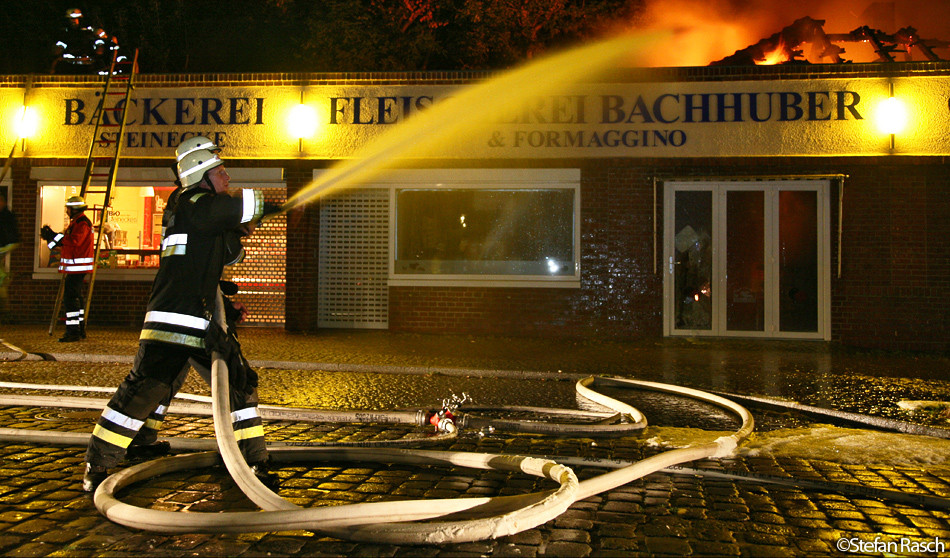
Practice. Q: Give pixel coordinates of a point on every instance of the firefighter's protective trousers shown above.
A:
(135, 413)
(73, 302)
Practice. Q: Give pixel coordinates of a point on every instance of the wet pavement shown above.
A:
(43, 513)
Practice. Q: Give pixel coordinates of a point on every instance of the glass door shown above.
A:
(747, 259)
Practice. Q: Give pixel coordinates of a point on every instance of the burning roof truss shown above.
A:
(787, 46)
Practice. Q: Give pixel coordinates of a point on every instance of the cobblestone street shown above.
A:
(43, 512)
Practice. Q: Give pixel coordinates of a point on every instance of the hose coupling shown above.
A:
(443, 420)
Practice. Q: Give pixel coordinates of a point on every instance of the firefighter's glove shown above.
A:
(228, 288)
(47, 234)
(232, 315)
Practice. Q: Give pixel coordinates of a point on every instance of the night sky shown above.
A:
(381, 35)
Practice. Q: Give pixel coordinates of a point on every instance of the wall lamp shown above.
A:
(27, 124)
(301, 122)
(891, 116)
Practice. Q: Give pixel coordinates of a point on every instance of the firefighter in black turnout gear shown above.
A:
(74, 51)
(145, 443)
(181, 325)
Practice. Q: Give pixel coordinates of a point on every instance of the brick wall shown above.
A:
(895, 281)
(892, 293)
(303, 243)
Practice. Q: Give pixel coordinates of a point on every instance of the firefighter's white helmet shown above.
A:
(193, 144)
(74, 13)
(193, 166)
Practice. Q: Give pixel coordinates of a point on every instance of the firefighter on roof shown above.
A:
(76, 261)
(74, 52)
(105, 48)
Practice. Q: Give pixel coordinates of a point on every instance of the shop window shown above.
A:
(131, 227)
(132, 232)
(485, 232)
(493, 227)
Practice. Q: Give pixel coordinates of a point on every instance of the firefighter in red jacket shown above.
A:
(76, 260)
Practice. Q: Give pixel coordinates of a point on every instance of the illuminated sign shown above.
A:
(808, 117)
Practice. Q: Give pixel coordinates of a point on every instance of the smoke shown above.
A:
(708, 30)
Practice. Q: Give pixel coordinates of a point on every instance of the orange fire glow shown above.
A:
(776, 56)
(709, 30)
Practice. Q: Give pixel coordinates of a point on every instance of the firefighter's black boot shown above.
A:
(93, 477)
(267, 478)
(73, 333)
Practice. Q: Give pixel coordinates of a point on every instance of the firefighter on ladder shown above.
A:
(181, 325)
(76, 261)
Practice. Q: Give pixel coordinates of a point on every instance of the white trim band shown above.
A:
(117, 418)
(244, 414)
(210, 163)
(250, 205)
(175, 240)
(209, 146)
(174, 318)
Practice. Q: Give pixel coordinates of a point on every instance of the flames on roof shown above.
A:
(787, 46)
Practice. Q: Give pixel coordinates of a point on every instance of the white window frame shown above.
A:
(771, 189)
(510, 179)
(133, 177)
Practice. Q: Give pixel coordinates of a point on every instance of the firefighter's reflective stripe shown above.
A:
(175, 245)
(154, 424)
(76, 264)
(196, 148)
(201, 167)
(172, 318)
(256, 431)
(111, 437)
(157, 324)
(155, 420)
(119, 419)
(74, 318)
(253, 205)
(52, 243)
(252, 427)
(244, 414)
(172, 337)
(112, 420)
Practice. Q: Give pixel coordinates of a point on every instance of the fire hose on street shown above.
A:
(400, 522)
(427, 521)
(415, 521)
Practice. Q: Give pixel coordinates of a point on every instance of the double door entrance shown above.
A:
(747, 259)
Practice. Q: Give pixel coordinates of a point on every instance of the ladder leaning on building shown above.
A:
(104, 153)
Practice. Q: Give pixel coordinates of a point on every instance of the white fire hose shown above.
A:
(400, 522)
